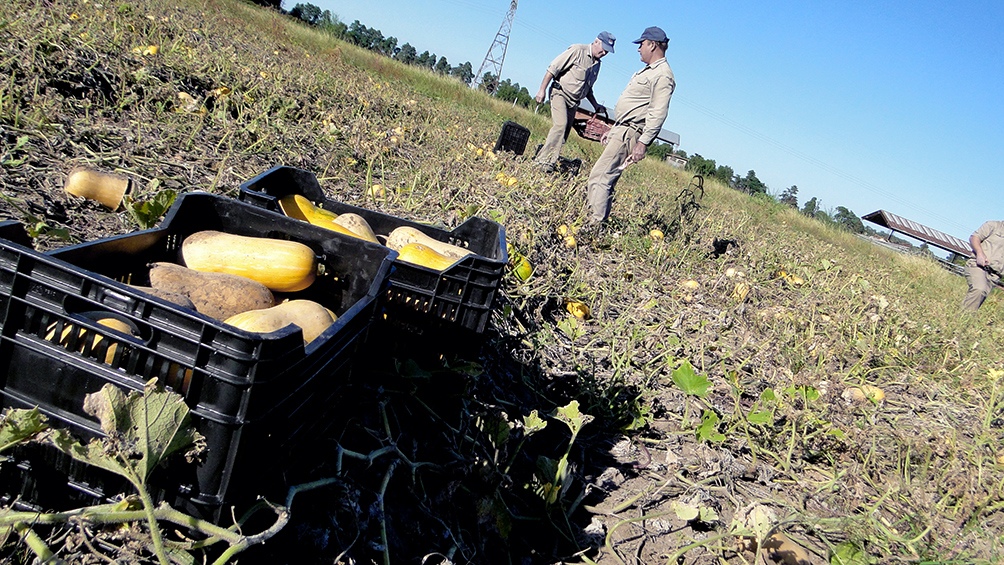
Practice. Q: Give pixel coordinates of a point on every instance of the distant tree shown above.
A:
(790, 197)
(442, 66)
(723, 173)
(659, 150)
(423, 59)
(308, 12)
(848, 220)
(509, 91)
(750, 184)
(680, 153)
(701, 166)
(489, 83)
(385, 45)
(811, 207)
(463, 72)
(407, 54)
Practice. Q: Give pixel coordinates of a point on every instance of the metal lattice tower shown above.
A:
(496, 53)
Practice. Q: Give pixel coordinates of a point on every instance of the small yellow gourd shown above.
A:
(403, 235)
(425, 256)
(280, 265)
(311, 317)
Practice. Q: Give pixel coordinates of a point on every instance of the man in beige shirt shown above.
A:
(639, 115)
(984, 271)
(571, 76)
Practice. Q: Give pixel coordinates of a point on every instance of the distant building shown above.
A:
(677, 161)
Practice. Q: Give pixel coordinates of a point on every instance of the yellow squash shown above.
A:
(282, 266)
(357, 225)
(297, 206)
(404, 235)
(425, 256)
(311, 317)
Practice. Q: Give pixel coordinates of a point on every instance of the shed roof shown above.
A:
(928, 235)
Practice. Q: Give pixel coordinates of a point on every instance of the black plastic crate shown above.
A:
(253, 396)
(422, 300)
(513, 137)
(13, 230)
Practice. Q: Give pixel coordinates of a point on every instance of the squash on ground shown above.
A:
(311, 317)
(100, 187)
(403, 235)
(282, 266)
(217, 295)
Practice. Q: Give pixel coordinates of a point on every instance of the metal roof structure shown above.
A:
(928, 235)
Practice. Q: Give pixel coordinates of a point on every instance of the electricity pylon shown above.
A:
(496, 54)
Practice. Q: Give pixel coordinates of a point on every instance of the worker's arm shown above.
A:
(542, 92)
(977, 245)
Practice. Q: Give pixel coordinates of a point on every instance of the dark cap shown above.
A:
(607, 41)
(653, 34)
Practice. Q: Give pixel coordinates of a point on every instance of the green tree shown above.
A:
(489, 83)
(790, 197)
(463, 72)
(513, 92)
(848, 220)
(750, 184)
(308, 12)
(701, 166)
(442, 66)
(659, 150)
(407, 54)
(723, 173)
(811, 207)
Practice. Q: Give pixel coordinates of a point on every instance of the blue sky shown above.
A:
(871, 105)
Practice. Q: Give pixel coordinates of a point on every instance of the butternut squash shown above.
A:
(404, 235)
(100, 187)
(282, 266)
(357, 225)
(297, 206)
(217, 295)
(311, 317)
(423, 255)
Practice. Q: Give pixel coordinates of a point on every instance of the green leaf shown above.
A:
(689, 381)
(142, 429)
(533, 423)
(148, 212)
(848, 553)
(684, 511)
(570, 415)
(708, 430)
(761, 418)
(18, 426)
(768, 395)
(707, 515)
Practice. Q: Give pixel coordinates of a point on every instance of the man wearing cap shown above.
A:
(639, 115)
(984, 271)
(571, 76)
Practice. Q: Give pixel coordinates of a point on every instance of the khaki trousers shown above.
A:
(562, 112)
(980, 285)
(605, 173)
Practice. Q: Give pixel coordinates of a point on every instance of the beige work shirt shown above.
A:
(576, 71)
(644, 103)
(991, 236)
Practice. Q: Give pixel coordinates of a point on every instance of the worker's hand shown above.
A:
(605, 137)
(981, 260)
(540, 97)
(637, 152)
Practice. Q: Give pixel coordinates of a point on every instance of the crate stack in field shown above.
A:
(253, 396)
